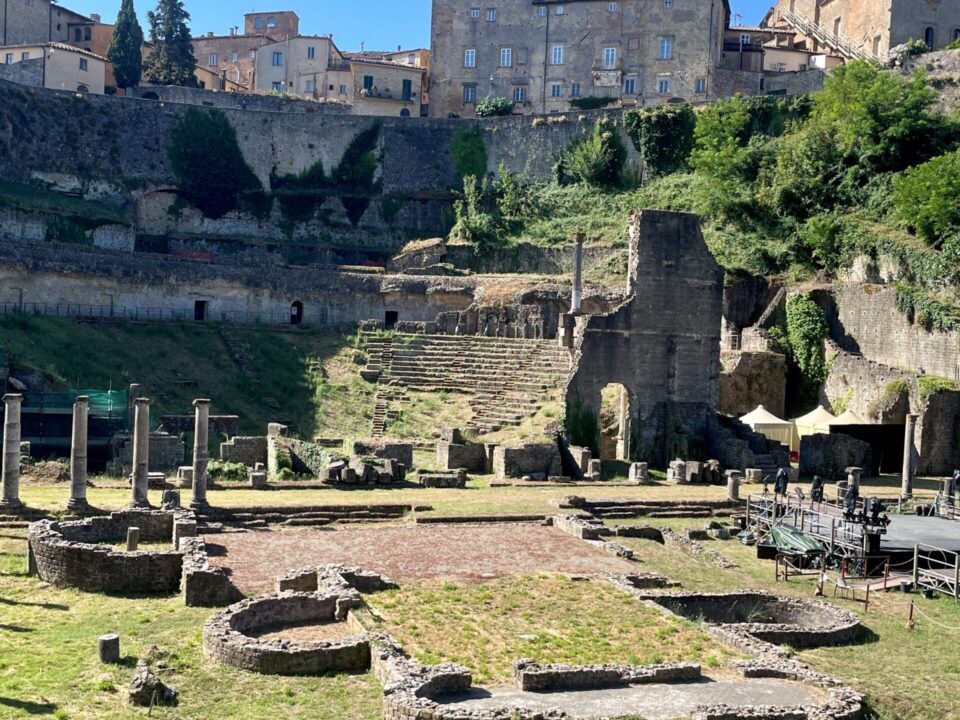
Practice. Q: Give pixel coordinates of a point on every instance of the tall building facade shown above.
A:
(35, 21)
(545, 54)
(233, 56)
(867, 28)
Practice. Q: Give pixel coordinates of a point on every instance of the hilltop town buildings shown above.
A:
(866, 28)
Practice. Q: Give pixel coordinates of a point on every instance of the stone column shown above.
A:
(11, 452)
(906, 487)
(576, 296)
(141, 453)
(201, 457)
(623, 432)
(78, 455)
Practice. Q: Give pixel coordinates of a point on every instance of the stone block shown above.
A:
(753, 476)
(185, 476)
(451, 456)
(695, 471)
(677, 472)
(830, 455)
(247, 450)
(639, 473)
(541, 460)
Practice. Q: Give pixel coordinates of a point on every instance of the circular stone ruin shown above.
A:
(770, 618)
(271, 635)
(80, 553)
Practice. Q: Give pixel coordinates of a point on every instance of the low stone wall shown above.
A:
(201, 584)
(248, 450)
(742, 618)
(72, 554)
(452, 456)
(166, 453)
(452, 479)
(533, 677)
(400, 451)
(227, 639)
(539, 461)
(334, 578)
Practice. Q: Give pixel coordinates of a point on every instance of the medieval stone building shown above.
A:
(867, 28)
(546, 54)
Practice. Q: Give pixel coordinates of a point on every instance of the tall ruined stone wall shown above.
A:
(663, 343)
(115, 148)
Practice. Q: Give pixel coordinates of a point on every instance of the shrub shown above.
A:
(493, 107)
(218, 472)
(593, 102)
(663, 135)
(582, 426)
(930, 384)
(927, 197)
(476, 224)
(469, 153)
(598, 158)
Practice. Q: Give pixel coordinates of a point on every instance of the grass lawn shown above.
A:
(550, 618)
(49, 666)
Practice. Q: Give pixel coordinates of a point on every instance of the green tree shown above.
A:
(126, 47)
(720, 140)
(927, 197)
(880, 120)
(663, 135)
(172, 61)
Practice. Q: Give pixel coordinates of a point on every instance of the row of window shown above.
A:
(542, 10)
(24, 56)
(557, 54)
(556, 89)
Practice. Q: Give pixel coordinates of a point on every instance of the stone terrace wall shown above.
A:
(865, 319)
(236, 101)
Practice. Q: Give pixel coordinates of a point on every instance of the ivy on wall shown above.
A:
(469, 153)
(208, 164)
(806, 329)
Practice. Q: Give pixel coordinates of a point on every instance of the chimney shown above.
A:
(95, 17)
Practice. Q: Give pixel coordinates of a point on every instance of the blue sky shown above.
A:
(379, 24)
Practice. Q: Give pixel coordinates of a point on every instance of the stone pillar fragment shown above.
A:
(733, 485)
(78, 455)
(133, 539)
(576, 297)
(108, 648)
(906, 485)
(141, 453)
(201, 455)
(11, 452)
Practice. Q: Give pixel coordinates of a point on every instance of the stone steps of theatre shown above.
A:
(476, 368)
(473, 358)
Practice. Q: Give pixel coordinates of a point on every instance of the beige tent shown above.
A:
(817, 421)
(766, 423)
(848, 418)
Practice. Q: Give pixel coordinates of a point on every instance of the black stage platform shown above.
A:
(907, 531)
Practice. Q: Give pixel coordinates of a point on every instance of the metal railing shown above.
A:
(835, 40)
(935, 568)
(155, 314)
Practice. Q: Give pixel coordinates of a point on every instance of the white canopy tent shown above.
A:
(768, 424)
(848, 418)
(817, 421)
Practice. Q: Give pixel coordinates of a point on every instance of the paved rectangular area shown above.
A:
(460, 553)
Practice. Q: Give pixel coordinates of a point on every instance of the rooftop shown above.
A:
(55, 46)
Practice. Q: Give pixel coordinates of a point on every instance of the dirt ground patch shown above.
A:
(462, 553)
(307, 632)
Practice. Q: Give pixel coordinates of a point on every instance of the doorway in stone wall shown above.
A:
(390, 319)
(615, 413)
(296, 312)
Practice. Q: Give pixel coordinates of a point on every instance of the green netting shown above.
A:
(112, 403)
(788, 538)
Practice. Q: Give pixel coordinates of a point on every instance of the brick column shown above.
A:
(11, 452)
(141, 453)
(78, 455)
(200, 452)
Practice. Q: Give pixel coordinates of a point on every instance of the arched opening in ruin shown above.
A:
(150, 96)
(296, 312)
(615, 413)
(405, 113)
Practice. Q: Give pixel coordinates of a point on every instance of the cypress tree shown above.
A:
(172, 61)
(126, 47)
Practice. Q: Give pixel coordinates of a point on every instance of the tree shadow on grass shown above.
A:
(45, 606)
(30, 708)
(15, 628)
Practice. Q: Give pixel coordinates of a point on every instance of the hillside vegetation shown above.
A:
(792, 187)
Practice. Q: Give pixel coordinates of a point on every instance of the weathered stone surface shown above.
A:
(147, 689)
(830, 455)
(538, 460)
(244, 449)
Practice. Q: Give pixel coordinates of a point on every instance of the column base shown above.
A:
(199, 504)
(78, 505)
(10, 504)
(141, 505)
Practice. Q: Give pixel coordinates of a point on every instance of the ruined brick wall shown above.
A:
(246, 450)
(668, 328)
(452, 456)
(538, 460)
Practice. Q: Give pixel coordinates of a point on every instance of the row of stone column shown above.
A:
(10, 477)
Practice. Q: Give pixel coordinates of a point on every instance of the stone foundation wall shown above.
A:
(244, 449)
(72, 554)
(472, 458)
(201, 584)
(400, 451)
(167, 453)
(533, 677)
(541, 460)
